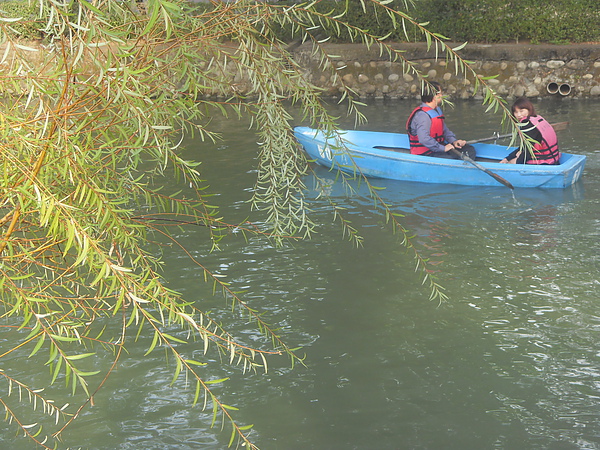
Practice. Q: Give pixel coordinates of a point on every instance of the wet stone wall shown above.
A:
(570, 71)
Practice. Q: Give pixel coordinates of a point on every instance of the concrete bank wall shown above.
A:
(570, 71)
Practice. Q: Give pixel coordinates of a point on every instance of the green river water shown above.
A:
(510, 361)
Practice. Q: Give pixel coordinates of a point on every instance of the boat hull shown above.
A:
(384, 155)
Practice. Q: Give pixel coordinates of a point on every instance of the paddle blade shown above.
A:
(499, 179)
(560, 126)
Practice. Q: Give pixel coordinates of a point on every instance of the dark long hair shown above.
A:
(524, 103)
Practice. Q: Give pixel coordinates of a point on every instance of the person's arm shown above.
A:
(512, 155)
(449, 136)
(522, 154)
(421, 126)
(533, 133)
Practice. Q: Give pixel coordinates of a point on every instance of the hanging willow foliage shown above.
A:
(93, 117)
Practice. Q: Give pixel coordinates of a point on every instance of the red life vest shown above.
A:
(545, 152)
(436, 131)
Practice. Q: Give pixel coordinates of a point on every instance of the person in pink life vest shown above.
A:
(427, 130)
(541, 133)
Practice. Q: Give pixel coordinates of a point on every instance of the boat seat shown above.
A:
(406, 150)
(393, 149)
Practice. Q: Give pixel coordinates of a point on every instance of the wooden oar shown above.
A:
(495, 176)
(557, 127)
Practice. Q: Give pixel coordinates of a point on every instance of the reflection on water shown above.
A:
(418, 198)
(510, 361)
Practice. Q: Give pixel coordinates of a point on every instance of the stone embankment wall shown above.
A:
(570, 71)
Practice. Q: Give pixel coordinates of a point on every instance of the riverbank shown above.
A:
(540, 70)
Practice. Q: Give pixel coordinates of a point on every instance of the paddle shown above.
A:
(557, 127)
(495, 176)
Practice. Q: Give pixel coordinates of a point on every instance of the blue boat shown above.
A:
(386, 155)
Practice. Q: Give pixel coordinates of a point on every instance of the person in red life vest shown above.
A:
(541, 133)
(427, 131)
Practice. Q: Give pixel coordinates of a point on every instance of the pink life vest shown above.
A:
(546, 151)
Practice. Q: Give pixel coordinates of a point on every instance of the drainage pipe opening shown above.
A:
(564, 89)
(552, 88)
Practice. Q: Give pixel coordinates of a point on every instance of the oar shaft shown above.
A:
(557, 127)
(495, 176)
